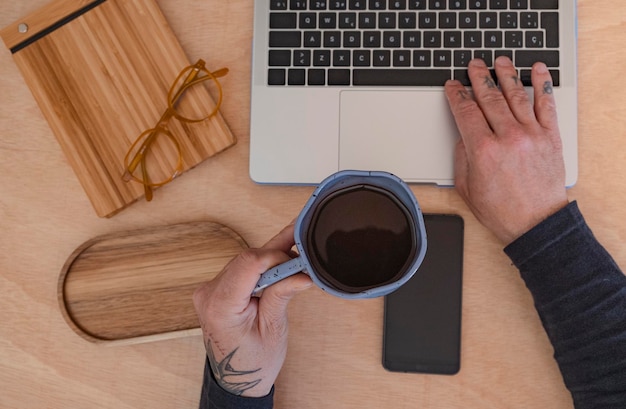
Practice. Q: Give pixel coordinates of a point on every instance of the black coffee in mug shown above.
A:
(361, 234)
(359, 238)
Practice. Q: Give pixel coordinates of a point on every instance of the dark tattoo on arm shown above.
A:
(515, 79)
(228, 377)
(547, 87)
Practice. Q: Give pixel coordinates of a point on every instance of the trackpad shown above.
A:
(409, 133)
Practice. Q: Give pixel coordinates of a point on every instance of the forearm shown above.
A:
(580, 294)
(214, 397)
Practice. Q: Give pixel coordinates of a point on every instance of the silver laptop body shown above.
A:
(329, 93)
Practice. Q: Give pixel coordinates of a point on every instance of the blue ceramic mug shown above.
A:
(360, 235)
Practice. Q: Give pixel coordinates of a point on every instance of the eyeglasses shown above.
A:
(162, 157)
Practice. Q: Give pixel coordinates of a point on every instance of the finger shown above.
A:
(490, 99)
(545, 105)
(283, 241)
(513, 91)
(468, 116)
(275, 299)
(237, 281)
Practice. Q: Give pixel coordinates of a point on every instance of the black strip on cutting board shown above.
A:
(55, 26)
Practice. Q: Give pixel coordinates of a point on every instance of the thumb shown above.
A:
(275, 299)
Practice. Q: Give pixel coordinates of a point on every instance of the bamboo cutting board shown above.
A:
(136, 286)
(100, 72)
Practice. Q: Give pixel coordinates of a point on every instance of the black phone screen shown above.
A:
(422, 321)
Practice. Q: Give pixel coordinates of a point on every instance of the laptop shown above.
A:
(358, 84)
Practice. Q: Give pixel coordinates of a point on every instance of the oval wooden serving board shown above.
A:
(137, 286)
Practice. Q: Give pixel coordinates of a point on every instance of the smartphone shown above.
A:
(422, 319)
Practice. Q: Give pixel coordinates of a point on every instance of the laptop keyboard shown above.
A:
(406, 42)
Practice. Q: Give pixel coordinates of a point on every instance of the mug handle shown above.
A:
(277, 273)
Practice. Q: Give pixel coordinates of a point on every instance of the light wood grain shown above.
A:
(100, 81)
(334, 356)
(131, 285)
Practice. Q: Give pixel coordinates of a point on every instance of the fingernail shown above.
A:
(503, 61)
(478, 63)
(541, 68)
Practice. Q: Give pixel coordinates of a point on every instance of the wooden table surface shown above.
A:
(334, 358)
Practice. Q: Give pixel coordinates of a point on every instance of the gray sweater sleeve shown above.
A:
(580, 295)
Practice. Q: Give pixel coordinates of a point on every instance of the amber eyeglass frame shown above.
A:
(194, 74)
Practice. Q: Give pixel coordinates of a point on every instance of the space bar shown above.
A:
(399, 77)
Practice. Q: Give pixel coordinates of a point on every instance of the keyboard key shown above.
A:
(332, 39)
(347, 20)
(428, 20)
(278, 4)
(302, 58)
(337, 4)
(488, 20)
(525, 58)
(357, 4)
(472, 39)
(401, 58)
(463, 77)
(341, 58)
(462, 58)
(367, 20)
(417, 4)
(508, 19)
(296, 77)
(328, 20)
(411, 39)
(544, 4)
(452, 39)
(361, 58)
(442, 58)
(280, 58)
(478, 4)
(392, 39)
(550, 23)
(283, 20)
(485, 55)
(317, 4)
(378, 4)
(381, 58)
(321, 58)
(397, 4)
(312, 39)
(529, 20)
(525, 76)
(458, 4)
(498, 4)
(316, 77)
(401, 77)
(514, 39)
(432, 39)
(468, 20)
(308, 20)
(534, 39)
(297, 4)
(276, 77)
(493, 39)
(407, 20)
(421, 58)
(437, 4)
(351, 39)
(372, 39)
(338, 77)
(519, 4)
(285, 39)
(447, 20)
(387, 20)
